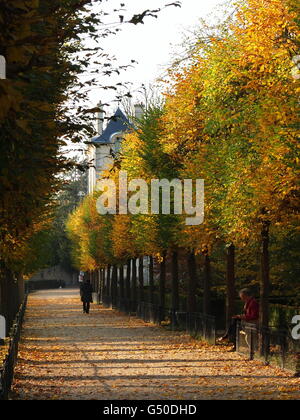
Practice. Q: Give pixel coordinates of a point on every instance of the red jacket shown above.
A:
(251, 310)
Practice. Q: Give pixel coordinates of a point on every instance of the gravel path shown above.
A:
(65, 354)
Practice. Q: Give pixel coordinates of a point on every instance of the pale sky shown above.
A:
(151, 44)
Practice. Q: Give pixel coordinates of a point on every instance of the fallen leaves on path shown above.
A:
(65, 354)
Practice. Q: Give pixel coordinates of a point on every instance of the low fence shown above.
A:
(196, 324)
(7, 368)
(271, 345)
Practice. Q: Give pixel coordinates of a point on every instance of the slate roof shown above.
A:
(119, 123)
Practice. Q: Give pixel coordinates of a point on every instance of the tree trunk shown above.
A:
(151, 281)
(92, 281)
(95, 286)
(114, 285)
(101, 286)
(175, 287)
(207, 284)
(134, 285)
(230, 283)
(141, 279)
(192, 283)
(96, 280)
(162, 288)
(103, 291)
(264, 289)
(103, 283)
(128, 282)
(108, 284)
(122, 290)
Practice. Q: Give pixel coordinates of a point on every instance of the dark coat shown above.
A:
(86, 291)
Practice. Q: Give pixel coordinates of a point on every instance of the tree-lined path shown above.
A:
(65, 354)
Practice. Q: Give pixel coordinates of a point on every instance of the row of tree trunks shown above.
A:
(129, 289)
(132, 288)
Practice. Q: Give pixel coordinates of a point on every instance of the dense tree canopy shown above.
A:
(43, 102)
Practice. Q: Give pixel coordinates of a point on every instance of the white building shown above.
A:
(103, 149)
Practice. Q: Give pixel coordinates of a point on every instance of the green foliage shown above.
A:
(50, 245)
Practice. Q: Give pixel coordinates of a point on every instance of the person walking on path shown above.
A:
(86, 291)
(251, 315)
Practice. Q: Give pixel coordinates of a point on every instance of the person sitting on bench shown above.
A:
(251, 315)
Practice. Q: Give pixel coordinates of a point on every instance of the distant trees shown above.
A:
(50, 246)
